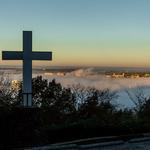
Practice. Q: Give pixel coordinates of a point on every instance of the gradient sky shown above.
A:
(80, 32)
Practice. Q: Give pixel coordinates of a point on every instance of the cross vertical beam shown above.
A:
(27, 68)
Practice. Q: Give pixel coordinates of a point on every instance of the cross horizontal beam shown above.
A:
(41, 56)
(16, 55)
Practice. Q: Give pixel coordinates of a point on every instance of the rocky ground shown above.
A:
(142, 143)
(126, 146)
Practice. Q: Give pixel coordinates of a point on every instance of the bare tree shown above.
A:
(82, 94)
(8, 95)
(138, 98)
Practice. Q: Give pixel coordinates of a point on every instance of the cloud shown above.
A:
(90, 78)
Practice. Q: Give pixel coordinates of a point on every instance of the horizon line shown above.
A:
(75, 66)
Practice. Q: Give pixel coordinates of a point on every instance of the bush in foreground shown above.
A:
(62, 114)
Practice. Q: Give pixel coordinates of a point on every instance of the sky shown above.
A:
(79, 32)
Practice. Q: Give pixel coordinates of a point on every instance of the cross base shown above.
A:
(27, 99)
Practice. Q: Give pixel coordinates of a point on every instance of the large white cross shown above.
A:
(27, 56)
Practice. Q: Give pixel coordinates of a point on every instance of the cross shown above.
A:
(27, 56)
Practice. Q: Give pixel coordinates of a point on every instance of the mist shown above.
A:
(91, 78)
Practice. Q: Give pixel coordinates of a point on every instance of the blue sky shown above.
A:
(80, 32)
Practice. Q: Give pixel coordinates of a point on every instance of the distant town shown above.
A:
(127, 74)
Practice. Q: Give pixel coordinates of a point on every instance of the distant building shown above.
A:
(60, 74)
(108, 76)
(48, 74)
(147, 75)
(118, 75)
(135, 76)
